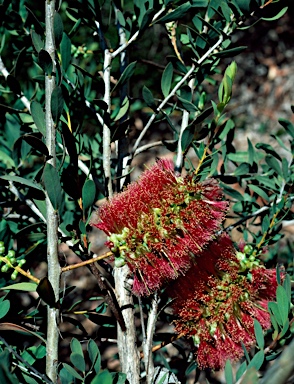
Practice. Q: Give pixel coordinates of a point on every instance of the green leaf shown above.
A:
(187, 105)
(268, 149)
(187, 137)
(78, 361)
(65, 51)
(260, 192)
(58, 28)
(88, 194)
(4, 307)
(126, 75)
(38, 116)
(37, 41)
(257, 360)
(274, 310)
(45, 62)
(36, 143)
(27, 287)
(52, 185)
(72, 371)
(94, 355)
(241, 370)
(21, 180)
(230, 52)
(274, 164)
(46, 293)
(76, 346)
(277, 16)
(57, 103)
(176, 14)
(258, 334)
(250, 152)
(283, 303)
(166, 79)
(123, 109)
(148, 97)
(103, 377)
(241, 170)
(289, 127)
(229, 373)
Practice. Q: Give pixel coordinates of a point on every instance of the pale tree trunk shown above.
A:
(52, 215)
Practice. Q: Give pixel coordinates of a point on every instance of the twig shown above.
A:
(87, 262)
(151, 145)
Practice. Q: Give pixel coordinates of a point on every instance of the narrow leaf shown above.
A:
(148, 97)
(166, 79)
(126, 75)
(258, 334)
(58, 28)
(65, 51)
(37, 41)
(4, 308)
(21, 180)
(230, 52)
(94, 355)
(45, 62)
(176, 14)
(36, 143)
(229, 373)
(283, 303)
(38, 115)
(88, 194)
(72, 371)
(57, 103)
(52, 185)
(27, 287)
(257, 360)
(46, 293)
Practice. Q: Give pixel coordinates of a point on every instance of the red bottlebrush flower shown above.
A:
(159, 223)
(217, 301)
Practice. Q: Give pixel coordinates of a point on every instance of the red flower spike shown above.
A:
(160, 223)
(217, 301)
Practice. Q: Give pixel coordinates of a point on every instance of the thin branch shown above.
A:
(134, 37)
(151, 145)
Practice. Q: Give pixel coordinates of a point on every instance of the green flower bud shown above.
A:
(14, 275)
(248, 249)
(21, 262)
(11, 253)
(4, 268)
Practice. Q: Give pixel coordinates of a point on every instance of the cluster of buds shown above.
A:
(159, 224)
(10, 261)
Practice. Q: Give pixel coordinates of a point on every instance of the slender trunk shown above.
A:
(52, 215)
(126, 341)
